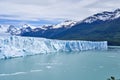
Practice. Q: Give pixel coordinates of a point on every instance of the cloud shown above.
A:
(22, 22)
(40, 2)
(53, 9)
(103, 5)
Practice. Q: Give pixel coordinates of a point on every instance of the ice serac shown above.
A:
(16, 46)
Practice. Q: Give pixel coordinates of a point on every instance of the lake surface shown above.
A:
(85, 65)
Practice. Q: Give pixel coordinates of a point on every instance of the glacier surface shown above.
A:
(16, 46)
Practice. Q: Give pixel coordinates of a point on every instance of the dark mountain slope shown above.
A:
(99, 30)
(103, 26)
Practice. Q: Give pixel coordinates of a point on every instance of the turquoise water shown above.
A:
(85, 65)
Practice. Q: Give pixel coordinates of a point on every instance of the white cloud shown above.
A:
(54, 9)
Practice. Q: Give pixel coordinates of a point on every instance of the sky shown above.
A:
(51, 11)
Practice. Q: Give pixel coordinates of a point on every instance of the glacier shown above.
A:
(16, 46)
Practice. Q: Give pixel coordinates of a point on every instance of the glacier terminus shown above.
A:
(16, 46)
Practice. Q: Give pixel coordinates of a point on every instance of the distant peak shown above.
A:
(68, 20)
(103, 16)
(65, 24)
(26, 25)
(117, 10)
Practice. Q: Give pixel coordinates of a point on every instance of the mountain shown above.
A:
(49, 31)
(103, 26)
(98, 27)
(104, 16)
(13, 30)
(3, 30)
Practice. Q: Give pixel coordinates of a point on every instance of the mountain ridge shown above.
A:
(98, 27)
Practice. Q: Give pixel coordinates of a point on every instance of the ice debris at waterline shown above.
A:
(16, 46)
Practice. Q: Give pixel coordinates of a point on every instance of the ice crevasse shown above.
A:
(16, 46)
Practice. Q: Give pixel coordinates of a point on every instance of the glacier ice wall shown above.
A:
(16, 46)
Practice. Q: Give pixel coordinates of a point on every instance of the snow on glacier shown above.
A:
(16, 46)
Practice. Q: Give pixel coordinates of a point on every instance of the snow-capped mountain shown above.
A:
(48, 30)
(13, 30)
(3, 30)
(101, 26)
(65, 24)
(28, 25)
(103, 16)
(28, 28)
(25, 28)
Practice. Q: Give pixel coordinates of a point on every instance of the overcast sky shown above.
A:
(54, 10)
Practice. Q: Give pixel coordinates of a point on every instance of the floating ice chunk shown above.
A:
(48, 67)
